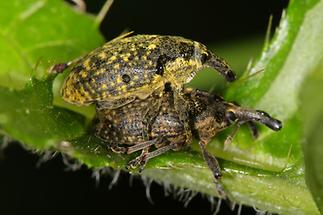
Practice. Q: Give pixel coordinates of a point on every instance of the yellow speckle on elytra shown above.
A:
(81, 89)
(83, 74)
(124, 88)
(77, 97)
(112, 58)
(131, 83)
(84, 93)
(102, 55)
(66, 93)
(117, 66)
(86, 64)
(104, 95)
(152, 46)
(99, 72)
(119, 80)
(87, 95)
(104, 86)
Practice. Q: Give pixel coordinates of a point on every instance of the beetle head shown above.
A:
(206, 105)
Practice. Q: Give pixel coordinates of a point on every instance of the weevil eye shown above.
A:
(231, 117)
(205, 57)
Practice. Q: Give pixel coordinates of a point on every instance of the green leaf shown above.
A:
(29, 116)
(37, 34)
(312, 116)
(313, 160)
(267, 173)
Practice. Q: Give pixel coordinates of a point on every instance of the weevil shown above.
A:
(131, 128)
(131, 67)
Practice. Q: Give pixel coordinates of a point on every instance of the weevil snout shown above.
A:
(237, 114)
(219, 64)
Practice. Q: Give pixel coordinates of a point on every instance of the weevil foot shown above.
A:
(138, 162)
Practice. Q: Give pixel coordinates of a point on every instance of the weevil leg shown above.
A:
(214, 166)
(142, 159)
(136, 147)
(229, 138)
(143, 145)
(253, 129)
(139, 161)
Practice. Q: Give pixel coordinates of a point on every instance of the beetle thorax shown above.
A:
(181, 71)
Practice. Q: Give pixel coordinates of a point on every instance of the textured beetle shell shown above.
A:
(124, 125)
(133, 67)
(129, 124)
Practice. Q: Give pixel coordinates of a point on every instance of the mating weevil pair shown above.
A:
(137, 83)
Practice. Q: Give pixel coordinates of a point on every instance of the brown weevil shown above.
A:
(131, 128)
(133, 67)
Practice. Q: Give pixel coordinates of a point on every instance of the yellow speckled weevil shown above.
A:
(133, 67)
